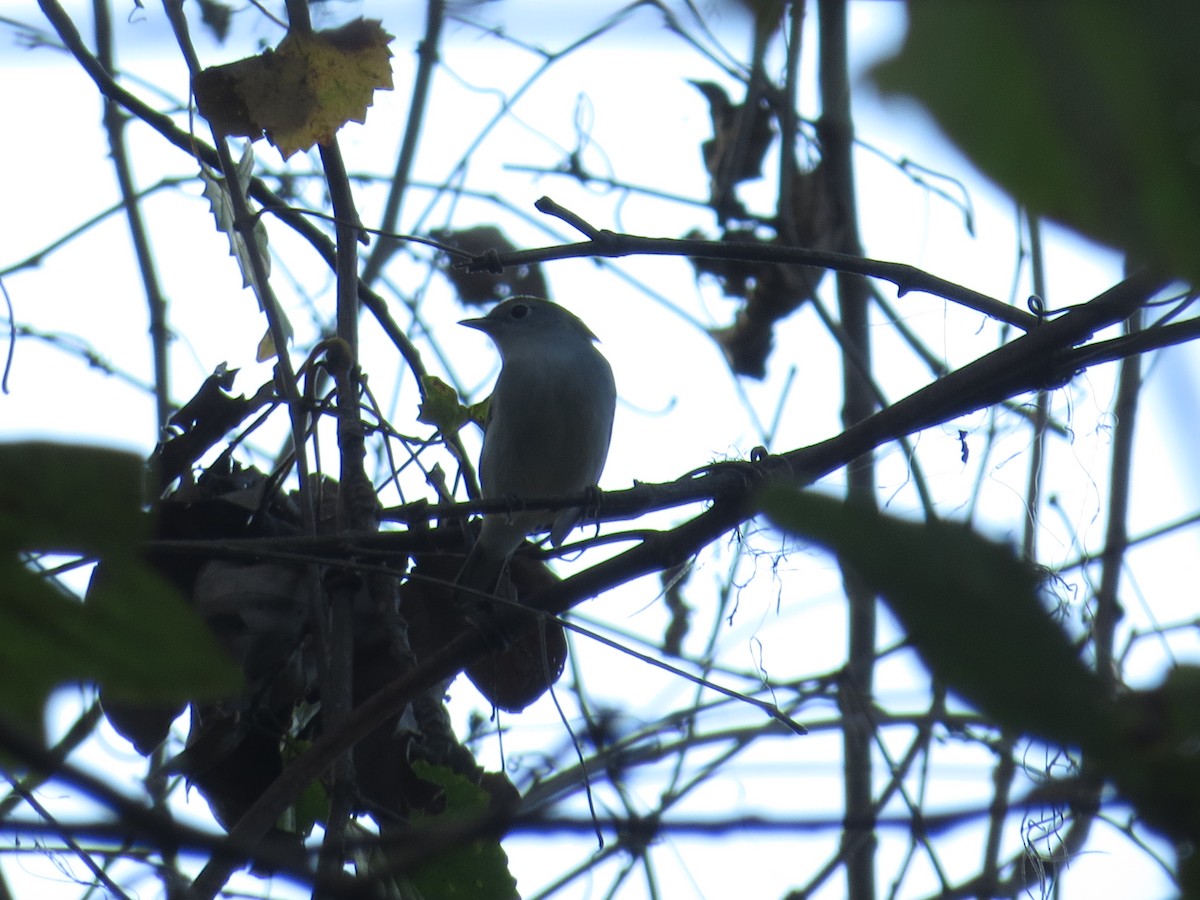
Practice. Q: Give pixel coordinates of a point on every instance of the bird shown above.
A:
(548, 429)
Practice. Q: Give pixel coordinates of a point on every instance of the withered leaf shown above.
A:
(303, 91)
(488, 287)
(741, 136)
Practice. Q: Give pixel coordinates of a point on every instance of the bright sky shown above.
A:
(680, 408)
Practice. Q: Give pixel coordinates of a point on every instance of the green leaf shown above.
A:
(441, 407)
(134, 635)
(41, 632)
(1086, 112)
(145, 644)
(971, 610)
(312, 806)
(477, 868)
(61, 497)
(1155, 764)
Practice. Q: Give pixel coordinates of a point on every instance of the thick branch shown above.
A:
(1010, 371)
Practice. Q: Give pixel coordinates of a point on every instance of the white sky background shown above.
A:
(680, 407)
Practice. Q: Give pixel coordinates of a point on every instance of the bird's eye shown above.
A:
(519, 311)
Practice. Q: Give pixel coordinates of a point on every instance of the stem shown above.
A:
(1116, 538)
(427, 54)
(114, 126)
(836, 131)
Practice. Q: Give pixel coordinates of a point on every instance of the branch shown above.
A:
(1026, 364)
(114, 125)
(1018, 367)
(427, 56)
(355, 504)
(1012, 369)
(194, 147)
(136, 821)
(613, 244)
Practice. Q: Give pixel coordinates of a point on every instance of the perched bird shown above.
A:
(548, 427)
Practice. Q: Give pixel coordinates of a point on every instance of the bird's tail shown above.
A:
(480, 573)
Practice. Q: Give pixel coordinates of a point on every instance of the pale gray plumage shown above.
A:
(548, 426)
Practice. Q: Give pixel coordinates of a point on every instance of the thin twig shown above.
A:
(114, 125)
(427, 58)
(65, 835)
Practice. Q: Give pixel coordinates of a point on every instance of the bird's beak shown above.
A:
(483, 325)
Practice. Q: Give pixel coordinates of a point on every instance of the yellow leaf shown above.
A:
(302, 92)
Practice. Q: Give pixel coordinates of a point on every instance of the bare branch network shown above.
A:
(728, 489)
(349, 550)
